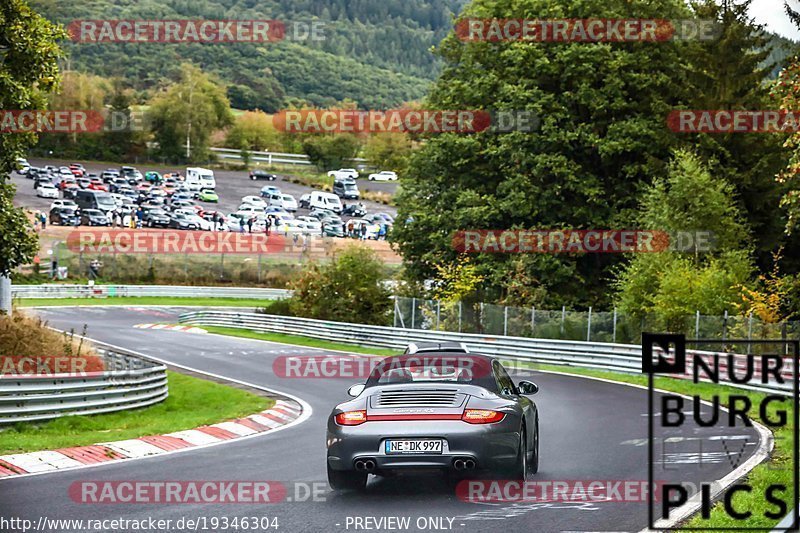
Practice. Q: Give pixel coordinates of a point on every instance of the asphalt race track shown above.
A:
(590, 430)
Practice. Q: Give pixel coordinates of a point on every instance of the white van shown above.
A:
(325, 200)
(199, 178)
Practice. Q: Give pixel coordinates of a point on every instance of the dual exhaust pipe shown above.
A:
(464, 464)
(365, 465)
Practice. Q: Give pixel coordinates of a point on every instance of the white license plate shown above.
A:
(413, 446)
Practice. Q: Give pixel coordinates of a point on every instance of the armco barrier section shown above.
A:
(128, 382)
(104, 291)
(601, 356)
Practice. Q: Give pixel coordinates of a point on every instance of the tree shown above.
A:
(253, 130)
(672, 285)
(601, 138)
(28, 70)
(388, 151)
(729, 73)
(348, 289)
(189, 111)
(330, 151)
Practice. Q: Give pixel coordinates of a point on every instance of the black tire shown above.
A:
(346, 480)
(533, 465)
(520, 469)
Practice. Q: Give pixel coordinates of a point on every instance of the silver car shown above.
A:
(444, 410)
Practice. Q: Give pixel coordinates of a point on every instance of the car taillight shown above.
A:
(481, 416)
(351, 418)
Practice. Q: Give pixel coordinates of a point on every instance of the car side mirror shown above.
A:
(356, 389)
(528, 387)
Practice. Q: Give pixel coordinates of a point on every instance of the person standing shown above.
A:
(44, 220)
(250, 224)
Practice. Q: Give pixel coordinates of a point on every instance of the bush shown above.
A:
(278, 307)
(348, 289)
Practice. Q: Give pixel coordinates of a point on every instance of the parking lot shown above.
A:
(231, 187)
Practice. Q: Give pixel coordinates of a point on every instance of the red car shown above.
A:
(97, 185)
(67, 182)
(77, 170)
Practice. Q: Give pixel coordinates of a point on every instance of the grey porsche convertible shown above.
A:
(443, 410)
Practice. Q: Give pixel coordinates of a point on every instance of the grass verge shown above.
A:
(777, 470)
(144, 300)
(299, 340)
(192, 402)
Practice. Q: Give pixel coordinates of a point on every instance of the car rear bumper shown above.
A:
(491, 446)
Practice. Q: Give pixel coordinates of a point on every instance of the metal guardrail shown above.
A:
(270, 158)
(128, 382)
(106, 291)
(602, 356)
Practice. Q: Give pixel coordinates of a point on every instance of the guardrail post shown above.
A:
(459, 316)
(480, 319)
(533, 321)
(259, 268)
(614, 327)
(563, 318)
(505, 321)
(221, 266)
(589, 326)
(413, 311)
(697, 325)
(394, 317)
(725, 325)
(438, 312)
(749, 331)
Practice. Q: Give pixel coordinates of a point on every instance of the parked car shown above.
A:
(346, 189)
(304, 201)
(22, 166)
(288, 202)
(254, 200)
(63, 203)
(77, 170)
(94, 217)
(46, 190)
(65, 216)
(325, 200)
(208, 195)
(97, 184)
(384, 175)
(153, 177)
(182, 221)
(32, 172)
(343, 173)
(313, 225)
(258, 174)
(354, 210)
(333, 230)
(267, 190)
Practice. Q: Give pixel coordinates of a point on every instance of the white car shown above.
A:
(254, 200)
(313, 226)
(288, 202)
(63, 203)
(251, 209)
(22, 166)
(290, 226)
(65, 172)
(202, 223)
(344, 173)
(47, 190)
(383, 175)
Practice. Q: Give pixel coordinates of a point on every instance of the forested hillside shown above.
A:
(376, 52)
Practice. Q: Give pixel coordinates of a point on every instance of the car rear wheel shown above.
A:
(520, 469)
(346, 480)
(533, 466)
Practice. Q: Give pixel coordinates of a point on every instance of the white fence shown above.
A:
(268, 158)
